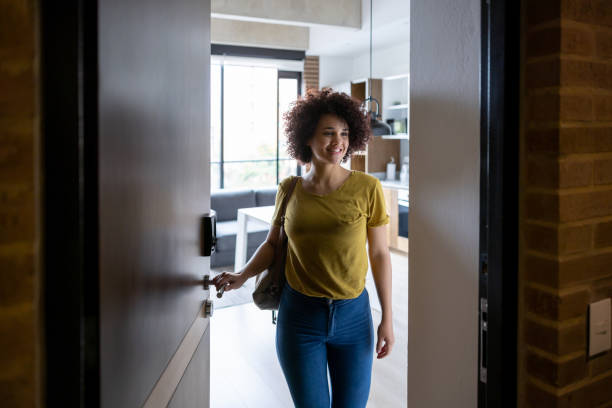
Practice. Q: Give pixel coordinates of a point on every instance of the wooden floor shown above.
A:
(245, 372)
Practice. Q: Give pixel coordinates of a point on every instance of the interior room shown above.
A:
(108, 176)
(259, 66)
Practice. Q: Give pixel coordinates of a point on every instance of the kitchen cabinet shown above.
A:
(396, 105)
(379, 150)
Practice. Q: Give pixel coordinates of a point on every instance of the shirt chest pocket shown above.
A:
(350, 218)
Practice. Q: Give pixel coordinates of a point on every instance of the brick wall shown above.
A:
(311, 73)
(19, 197)
(566, 200)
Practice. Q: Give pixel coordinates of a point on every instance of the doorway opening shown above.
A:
(251, 88)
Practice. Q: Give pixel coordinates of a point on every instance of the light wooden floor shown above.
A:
(245, 372)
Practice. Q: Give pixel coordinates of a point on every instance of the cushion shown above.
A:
(265, 196)
(227, 202)
(226, 234)
(226, 258)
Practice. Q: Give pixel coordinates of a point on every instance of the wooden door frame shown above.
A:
(500, 82)
(70, 195)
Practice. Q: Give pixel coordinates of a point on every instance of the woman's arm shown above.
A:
(380, 261)
(261, 259)
(263, 256)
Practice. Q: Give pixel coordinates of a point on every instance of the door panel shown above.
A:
(154, 62)
(196, 375)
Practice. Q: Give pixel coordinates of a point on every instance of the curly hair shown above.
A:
(303, 118)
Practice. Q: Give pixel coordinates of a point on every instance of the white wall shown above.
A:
(335, 70)
(444, 200)
(390, 61)
(393, 60)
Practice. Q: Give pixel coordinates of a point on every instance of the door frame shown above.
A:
(69, 53)
(499, 215)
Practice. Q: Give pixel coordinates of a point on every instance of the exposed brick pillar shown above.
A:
(566, 200)
(20, 347)
(311, 73)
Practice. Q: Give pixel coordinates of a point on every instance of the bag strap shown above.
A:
(286, 199)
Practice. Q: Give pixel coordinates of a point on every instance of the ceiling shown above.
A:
(335, 28)
(391, 22)
(349, 44)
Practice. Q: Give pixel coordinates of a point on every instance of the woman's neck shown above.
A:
(325, 176)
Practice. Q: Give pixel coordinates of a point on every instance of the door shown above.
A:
(127, 139)
(154, 63)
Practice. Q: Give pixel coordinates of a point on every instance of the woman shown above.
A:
(324, 318)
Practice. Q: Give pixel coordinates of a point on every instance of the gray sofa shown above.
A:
(226, 203)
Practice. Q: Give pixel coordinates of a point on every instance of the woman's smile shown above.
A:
(335, 150)
(330, 140)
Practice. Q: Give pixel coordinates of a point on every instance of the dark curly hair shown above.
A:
(302, 120)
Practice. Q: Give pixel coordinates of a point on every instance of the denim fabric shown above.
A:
(314, 334)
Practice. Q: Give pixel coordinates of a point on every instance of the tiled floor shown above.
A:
(244, 368)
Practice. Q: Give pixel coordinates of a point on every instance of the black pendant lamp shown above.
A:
(378, 127)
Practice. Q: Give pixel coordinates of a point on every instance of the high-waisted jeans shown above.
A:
(313, 334)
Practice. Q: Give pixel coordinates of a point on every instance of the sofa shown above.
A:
(226, 203)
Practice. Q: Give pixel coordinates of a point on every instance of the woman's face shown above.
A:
(330, 140)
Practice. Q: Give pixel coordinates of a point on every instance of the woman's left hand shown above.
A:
(385, 339)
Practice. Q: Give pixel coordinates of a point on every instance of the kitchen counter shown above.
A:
(394, 184)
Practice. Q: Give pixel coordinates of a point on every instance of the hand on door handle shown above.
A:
(206, 281)
(226, 281)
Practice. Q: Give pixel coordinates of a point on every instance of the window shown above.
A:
(247, 129)
(288, 90)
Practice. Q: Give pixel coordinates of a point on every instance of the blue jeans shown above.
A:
(313, 334)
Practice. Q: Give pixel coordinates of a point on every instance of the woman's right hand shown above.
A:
(230, 280)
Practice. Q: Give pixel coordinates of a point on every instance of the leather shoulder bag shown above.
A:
(269, 283)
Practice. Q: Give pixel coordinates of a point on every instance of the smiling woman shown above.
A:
(324, 318)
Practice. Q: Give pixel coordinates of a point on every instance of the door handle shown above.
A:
(221, 291)
(208, 233)
(206, 281)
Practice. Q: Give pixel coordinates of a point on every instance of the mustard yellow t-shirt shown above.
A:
(327, 234)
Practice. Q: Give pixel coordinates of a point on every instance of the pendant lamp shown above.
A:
(378, 127)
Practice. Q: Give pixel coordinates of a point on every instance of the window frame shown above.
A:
(281, 74)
